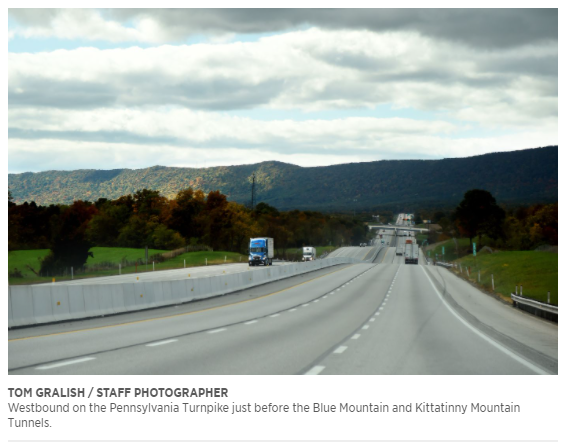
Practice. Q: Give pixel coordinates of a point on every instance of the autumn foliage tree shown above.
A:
(148, 218)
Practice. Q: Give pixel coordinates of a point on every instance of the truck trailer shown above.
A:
(261, 251)
(410, 252)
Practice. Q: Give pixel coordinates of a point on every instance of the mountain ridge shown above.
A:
(514, 177)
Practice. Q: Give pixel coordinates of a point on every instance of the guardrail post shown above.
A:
(521, 290)
(154, 265)
(479, 275)
(119, 269)
(72, 277)
(548, 297)
(516, 289)
(492, 283)
(184, 263)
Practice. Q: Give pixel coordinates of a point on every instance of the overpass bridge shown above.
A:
(395, 227)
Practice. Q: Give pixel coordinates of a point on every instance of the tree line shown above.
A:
(146, 218)
(480, 218)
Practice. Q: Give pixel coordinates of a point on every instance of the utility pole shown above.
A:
(253, 194)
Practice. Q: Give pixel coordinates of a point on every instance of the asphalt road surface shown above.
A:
(378, 317)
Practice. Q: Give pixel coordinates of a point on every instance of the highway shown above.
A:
(378, 317)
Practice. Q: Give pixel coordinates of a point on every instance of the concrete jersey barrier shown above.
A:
(32, 305)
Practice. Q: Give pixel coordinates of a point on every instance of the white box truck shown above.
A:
(309, 253)
(261, 251)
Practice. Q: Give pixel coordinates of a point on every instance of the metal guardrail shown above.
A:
(444, 264)
(534, 304)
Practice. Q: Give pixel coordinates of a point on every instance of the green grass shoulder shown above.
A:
(536, 271)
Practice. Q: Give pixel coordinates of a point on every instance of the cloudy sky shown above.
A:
(132, 88)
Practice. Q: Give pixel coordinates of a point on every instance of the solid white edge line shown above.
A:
(483, 336)
(315, 370)
(61, 364)
(155, 344)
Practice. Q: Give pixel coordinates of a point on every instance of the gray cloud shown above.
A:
(476, 27)
(34, 17)
(68, 93)
(486, 28)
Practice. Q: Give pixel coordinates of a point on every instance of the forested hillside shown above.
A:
(517, 177)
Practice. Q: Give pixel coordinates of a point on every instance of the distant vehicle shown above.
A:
(400, 250)
(309, 253)
(410, 252)
(382, 241)
(261, 251)
(364, 244)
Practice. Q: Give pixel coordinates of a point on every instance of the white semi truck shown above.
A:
(309, 253)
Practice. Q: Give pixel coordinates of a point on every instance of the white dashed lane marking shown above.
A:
(155, 344)
(340, 349)
(251, 322)
(218, 330)
(315, 370)
(62, 364)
